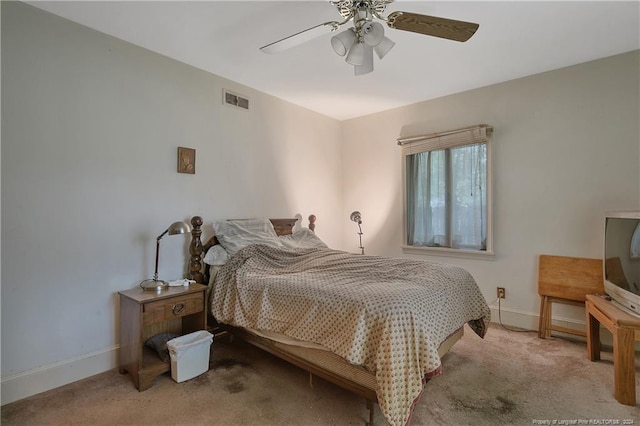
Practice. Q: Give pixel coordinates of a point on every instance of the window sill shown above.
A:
(448, 252)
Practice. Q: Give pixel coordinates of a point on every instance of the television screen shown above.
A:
(622, 259)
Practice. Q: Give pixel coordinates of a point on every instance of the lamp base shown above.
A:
(154, 285)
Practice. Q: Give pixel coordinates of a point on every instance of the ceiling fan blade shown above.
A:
(299, 38)
(433, 26)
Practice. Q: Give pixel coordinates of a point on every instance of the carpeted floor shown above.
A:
(509, 378)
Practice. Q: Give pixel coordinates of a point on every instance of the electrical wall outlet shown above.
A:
(501, 293)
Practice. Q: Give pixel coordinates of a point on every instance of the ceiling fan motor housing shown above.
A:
(350, 8)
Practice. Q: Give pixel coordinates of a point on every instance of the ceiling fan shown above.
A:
(367, 35)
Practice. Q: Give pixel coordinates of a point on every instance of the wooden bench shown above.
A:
(566, 280)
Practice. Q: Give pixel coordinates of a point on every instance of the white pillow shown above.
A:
(235, 235)
(302, 238)
(216, 256)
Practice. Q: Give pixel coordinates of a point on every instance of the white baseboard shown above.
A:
(27, 383)
(515, 318)
(529, 321)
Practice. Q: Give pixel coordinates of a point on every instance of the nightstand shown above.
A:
(143, 314)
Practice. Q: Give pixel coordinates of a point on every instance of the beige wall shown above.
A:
(566, 149)
(90, 130)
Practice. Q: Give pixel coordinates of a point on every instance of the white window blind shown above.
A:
(448, 139)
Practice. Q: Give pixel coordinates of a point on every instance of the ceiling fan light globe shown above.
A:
(342, 42)
(356, 54)
(372, 33)
(383, 47)
(367, 65)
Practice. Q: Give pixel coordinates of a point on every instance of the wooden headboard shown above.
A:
(196, 248)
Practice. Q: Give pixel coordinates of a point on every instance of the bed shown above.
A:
(372, 325)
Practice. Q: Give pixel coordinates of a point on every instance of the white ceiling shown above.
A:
(515, 39)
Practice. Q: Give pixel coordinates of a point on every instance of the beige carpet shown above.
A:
(509, 378)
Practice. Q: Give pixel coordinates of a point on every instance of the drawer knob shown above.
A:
(177, 308)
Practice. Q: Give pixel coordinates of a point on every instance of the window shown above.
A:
(448, 190)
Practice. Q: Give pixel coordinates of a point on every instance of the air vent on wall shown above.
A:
(235, 100)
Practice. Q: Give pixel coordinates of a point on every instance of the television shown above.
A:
(621, 260)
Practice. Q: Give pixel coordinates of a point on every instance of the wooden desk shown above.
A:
(623, 326)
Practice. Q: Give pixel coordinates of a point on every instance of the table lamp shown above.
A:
(155, 284)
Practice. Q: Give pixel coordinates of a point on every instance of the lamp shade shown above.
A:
(178, 228)
(356, 217)
(356, 54)
(342, 42)
(372, 33)
(367, 65)
(383, 47)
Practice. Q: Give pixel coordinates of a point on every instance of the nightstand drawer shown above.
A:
(172, 308)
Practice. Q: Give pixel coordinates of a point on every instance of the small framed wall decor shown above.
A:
(186, 160)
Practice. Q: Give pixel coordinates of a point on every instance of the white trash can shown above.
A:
(189, 355)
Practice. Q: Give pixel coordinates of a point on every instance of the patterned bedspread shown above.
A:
(388, 315)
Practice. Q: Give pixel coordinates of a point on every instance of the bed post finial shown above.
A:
(312, 222)
(195, 249)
